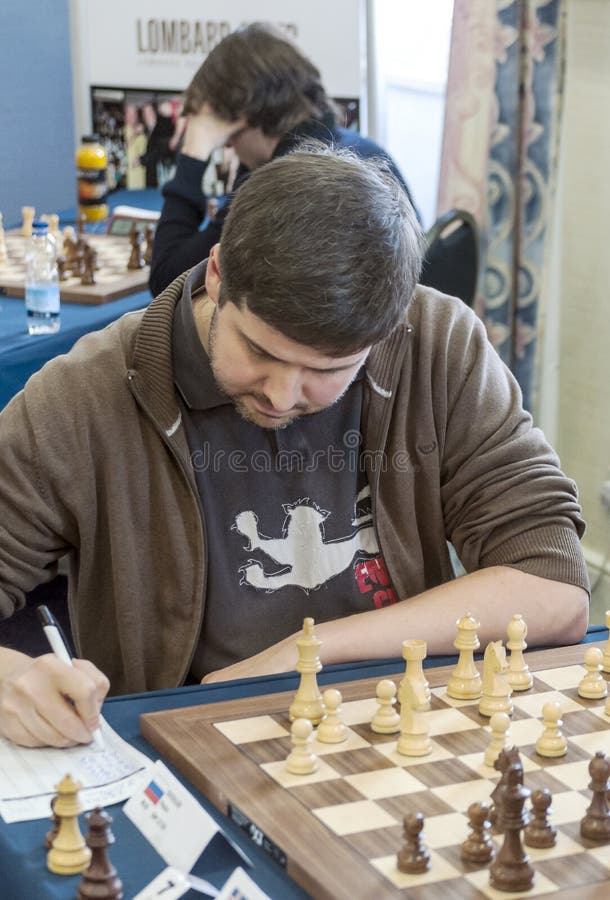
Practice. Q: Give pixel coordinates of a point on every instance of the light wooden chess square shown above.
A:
(351, 818)
(255, 728)
(385, 783)
(277, 771)
(440, 870)
(561, 679)
(459, 796)
(532, 703)
(480, 880)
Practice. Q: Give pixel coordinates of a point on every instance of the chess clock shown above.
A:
(124, 217)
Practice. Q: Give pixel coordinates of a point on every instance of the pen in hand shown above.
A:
(53, 634)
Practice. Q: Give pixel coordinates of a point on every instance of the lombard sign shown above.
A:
(156, 44)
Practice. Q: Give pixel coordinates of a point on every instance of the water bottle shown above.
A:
(41, 281)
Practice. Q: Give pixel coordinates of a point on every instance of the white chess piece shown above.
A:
(414, 652)
(28, 213)
(593, 686)
(465, 680)
(414, 739)
(495, 695)
(387, 718)
(307, 703)
(331, 729)
(301, 760)
(500, 734)
(519, 676)
(606, 663)
(551, 742)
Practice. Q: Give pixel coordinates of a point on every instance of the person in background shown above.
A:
(255, 92)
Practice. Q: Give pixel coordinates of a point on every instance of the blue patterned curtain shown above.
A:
(529, 67)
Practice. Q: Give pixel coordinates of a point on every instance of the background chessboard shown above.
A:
(114, 279)
(338, 830)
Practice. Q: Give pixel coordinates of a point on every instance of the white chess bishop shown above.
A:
(519, 676)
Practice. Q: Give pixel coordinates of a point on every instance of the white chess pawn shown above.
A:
(387, 719)
(414, 739)
(27, 213)
(606, 663)
(519, 676)
(465, 680)
(500, 734)
(593, 686)
(414, 652)
(301, 760)
(331, 729)
(551, 742)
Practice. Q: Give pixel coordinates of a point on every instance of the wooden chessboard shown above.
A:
(338, 831)
(114, 279)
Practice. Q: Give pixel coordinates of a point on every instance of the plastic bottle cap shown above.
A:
(37, 225)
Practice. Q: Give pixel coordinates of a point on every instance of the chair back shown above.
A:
(451, 263)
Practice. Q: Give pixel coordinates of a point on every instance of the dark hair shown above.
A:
(324, 247)
(257, 73)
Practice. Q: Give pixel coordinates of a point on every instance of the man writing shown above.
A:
(290, 429)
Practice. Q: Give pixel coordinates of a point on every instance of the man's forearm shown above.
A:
(555, 613)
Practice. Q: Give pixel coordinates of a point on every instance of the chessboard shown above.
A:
(337, 831)
(114, 279)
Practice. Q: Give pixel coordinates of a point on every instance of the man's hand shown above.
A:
(206, 131)
(45, 703)
(281, 657)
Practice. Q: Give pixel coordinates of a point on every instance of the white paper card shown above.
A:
(239, 885)
(168, 885)
(170, 818)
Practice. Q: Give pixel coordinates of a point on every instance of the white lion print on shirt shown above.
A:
(303, 557)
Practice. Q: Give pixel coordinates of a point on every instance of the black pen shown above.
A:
(52, 630)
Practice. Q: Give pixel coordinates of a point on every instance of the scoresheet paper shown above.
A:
(28, 776)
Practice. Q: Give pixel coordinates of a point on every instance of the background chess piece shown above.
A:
(136, 259)
(89, 265)
(414, 652)
(465, 680)
(539, 832)
(595, 826)
(593, 685)
(331, 729)
(551, 742)
(511, 869)
(27, 214)
(500, 736)
(414, 739)
(387, 718)
(307, 703)
(519, 676)
(69, 853)
(496, 691)
(301, 760)
(149, 234)
(606, 656)
(100, 880)
(478, 848)
(52, 832)
(413, 858)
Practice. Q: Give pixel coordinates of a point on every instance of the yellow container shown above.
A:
(92, 167)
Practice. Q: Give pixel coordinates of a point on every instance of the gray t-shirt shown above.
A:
(287, 514)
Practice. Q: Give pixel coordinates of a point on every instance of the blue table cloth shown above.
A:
(22, 354)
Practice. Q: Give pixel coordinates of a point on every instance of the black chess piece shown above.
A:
(136, 260)
(149, 235)
(539, 832)
(413, 858)
(511, 869)
(99, 881)
(52, 832)
(595, 826)
(89, 265)
(506, 758)
(478, 847)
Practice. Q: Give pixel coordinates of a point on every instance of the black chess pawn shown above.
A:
(62, 267)
(506, 758)
(99, 881)
(539, 832)
(595, 826)
(478, 847)
(511, 869)
(89, 265)
(413, 858)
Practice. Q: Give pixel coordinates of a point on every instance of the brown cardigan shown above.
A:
(94, 463)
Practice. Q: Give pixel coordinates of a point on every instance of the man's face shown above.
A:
(253, 147)
(272, 379)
